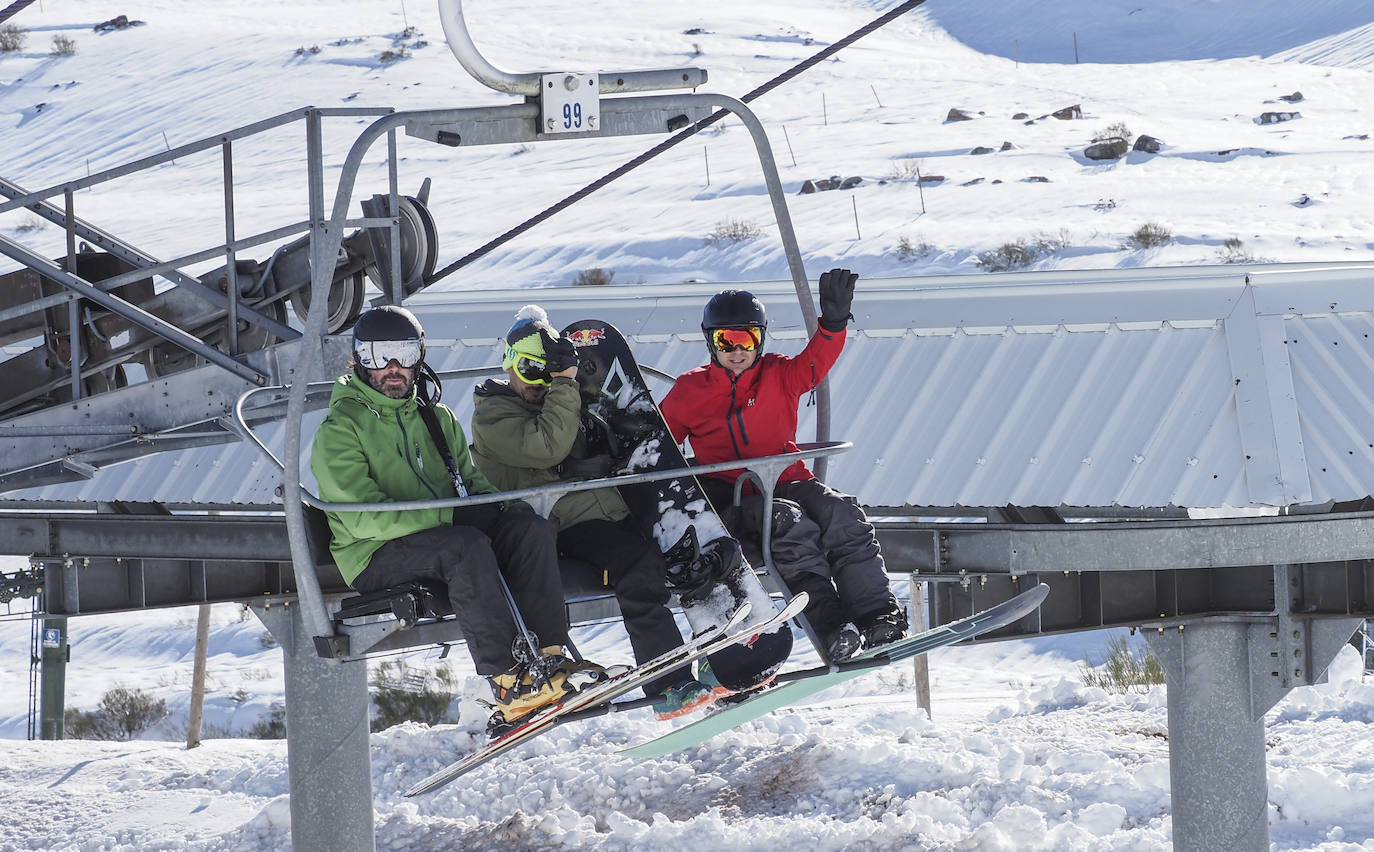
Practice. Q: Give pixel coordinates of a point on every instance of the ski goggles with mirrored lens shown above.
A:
(376, 354)
(730, 339)
(532, 371)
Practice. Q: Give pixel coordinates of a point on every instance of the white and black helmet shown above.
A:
(385, 334)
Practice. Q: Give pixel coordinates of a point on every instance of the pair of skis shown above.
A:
(540, 721)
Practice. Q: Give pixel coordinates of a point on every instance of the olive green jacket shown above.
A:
(520, 444)
(371, 449)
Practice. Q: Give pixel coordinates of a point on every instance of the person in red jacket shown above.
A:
(743, 404)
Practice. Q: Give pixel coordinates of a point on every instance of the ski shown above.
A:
(543, 720)
(793, 686)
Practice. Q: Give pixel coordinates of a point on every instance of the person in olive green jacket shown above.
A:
(527, 431)
(375, 446)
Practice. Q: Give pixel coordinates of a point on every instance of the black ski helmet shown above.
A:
(388, 322)
(733, 309)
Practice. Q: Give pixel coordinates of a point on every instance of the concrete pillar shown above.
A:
(328, 764)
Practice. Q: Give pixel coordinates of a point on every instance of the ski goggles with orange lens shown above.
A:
(376, 354)
(730, 339)
(532, 371)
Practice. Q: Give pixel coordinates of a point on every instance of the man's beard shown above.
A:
(532, 393)
(380, 384)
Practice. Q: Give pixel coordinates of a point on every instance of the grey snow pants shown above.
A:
(467, 557)
(822, 544)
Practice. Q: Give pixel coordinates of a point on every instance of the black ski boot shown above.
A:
(838, 635)
(884, 626)
(842, 642)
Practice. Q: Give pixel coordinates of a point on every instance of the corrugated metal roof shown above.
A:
(1200, 387)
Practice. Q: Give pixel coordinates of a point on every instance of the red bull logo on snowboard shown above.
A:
(586, 337)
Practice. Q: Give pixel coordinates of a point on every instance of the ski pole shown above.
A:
(532, 649)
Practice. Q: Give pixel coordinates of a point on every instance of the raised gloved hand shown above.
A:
(837, 294)
(559, 353)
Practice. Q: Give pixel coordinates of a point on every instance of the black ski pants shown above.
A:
(822, 544)
(483, 545)
(633, 566)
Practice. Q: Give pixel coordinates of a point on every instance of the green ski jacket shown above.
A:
(372, 448)
(520, 444)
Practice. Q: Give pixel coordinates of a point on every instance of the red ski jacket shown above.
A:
(754, 414)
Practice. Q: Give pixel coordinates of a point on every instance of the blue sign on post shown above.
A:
(52, 637)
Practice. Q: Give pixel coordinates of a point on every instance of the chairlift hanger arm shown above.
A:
(529, 84)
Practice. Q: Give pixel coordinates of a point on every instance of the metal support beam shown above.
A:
(1216, 740)
(139, 259)
(1223, 676)
(132, 313)
(328, 765)
(54, 652)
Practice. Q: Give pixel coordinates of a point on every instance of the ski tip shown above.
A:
(1034, 596)
(738, 616)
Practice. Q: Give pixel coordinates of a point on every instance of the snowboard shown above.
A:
(794, 686)
(706, 566)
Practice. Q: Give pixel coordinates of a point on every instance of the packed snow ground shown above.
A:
(1019, 755)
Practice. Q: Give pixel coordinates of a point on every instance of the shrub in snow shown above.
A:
(1233, 251)
(594, 277)
(273, 727)
(905, 170)
(1007, 256)
(62, 45)
(908, 249)
(729, 231)
(12, 38)
(1021, 253)
(405, 694)
(122, 715)
(1115, 130)
(1125, 669)
(1149, 235)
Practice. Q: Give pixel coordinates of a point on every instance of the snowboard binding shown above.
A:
(693, 572)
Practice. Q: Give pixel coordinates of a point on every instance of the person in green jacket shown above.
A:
(375, 446)
(527, 430)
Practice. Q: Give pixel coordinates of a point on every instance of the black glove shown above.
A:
(559, 353)
(592, 467)
(636, 426)
(837, 294)
(517, 507)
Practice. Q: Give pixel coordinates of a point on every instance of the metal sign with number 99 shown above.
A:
(568, 103)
